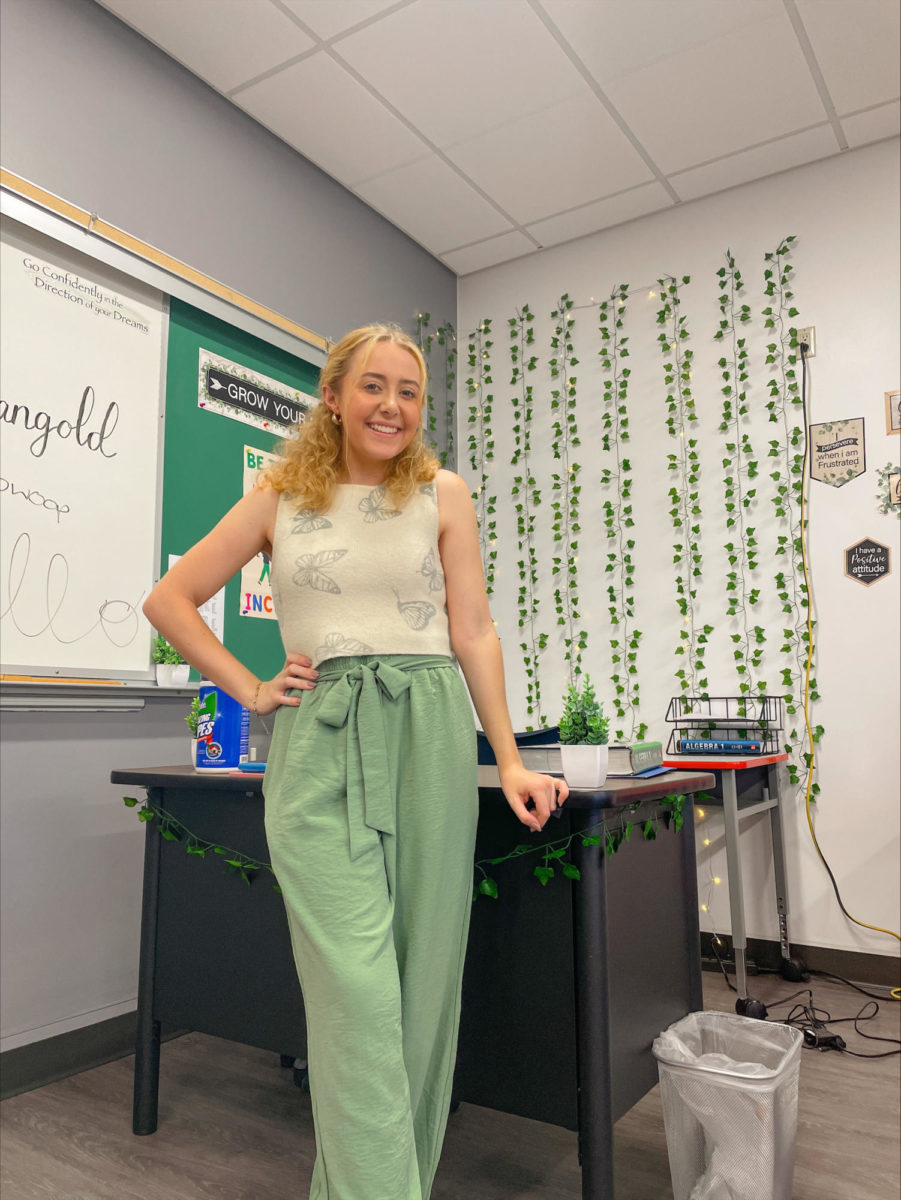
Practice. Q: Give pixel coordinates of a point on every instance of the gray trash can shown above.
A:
(729, 1086)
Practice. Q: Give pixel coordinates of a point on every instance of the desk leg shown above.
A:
(592, 1015)
(690, 901)
(147, 1043)
(736, 892)
(777, 830)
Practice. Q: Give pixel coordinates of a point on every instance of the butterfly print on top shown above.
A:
(432, 571)
(311, 574)
(417, 613)
(373, 506)
(306, 521)
(337, 645)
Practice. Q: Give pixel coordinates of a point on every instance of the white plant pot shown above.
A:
(584, 766)
(193, 752)
(172, 674)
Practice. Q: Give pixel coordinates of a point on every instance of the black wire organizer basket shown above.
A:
(724, 726)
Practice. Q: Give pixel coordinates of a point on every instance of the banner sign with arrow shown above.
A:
(234, 391)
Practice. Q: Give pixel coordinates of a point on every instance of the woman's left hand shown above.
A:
(548, 794)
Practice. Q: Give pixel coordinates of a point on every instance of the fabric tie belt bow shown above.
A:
(355, 699)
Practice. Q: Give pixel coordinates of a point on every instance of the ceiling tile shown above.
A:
(430, 202)
(242, 41)
(566, 155)
(329, 17)
(733, 91)
(757, 163)
(488, 254)
(874, 125)
(846, 33)
(459, 68)
(601, 215)
(613, 38)
(323, 112)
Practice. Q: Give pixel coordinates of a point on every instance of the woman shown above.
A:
(370, 787)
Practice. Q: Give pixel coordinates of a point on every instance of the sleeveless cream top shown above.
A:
(360, 578)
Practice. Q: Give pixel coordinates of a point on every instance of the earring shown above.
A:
(336, 419)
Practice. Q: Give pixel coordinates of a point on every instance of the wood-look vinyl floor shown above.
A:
(234, 1127)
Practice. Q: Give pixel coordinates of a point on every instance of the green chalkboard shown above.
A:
(203, 465)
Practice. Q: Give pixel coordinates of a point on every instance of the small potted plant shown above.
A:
(584, 734)
(171, 668)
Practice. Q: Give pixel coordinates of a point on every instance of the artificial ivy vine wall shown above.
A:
(480, 442)
(440, 420)
(785, 407)
(683, 463)
(740, 472)
(587, 568)
(619, 521)
(526, 500)
(565, 488)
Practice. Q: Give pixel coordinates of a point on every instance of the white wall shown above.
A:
(844, 212)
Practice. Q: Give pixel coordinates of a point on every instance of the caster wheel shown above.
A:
(286, 1060)
(302, 1079)
(455, 1104)
(794, 970)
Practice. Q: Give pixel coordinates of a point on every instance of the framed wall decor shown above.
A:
(893, 412)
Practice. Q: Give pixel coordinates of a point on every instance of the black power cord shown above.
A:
(813, 1021)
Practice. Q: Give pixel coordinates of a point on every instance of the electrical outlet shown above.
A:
(808, 335)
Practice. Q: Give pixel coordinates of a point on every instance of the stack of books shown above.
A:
(720, 745)
(642, 759)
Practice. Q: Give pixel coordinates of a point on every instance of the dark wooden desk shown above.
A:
(565, 986)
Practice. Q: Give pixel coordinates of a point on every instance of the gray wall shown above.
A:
(96, 114)
(102, 118)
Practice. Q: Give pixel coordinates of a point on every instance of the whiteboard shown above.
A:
(81, 369)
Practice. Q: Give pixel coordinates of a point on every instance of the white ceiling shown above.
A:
(487, 129)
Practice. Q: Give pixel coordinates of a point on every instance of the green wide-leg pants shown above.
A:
(371, 808)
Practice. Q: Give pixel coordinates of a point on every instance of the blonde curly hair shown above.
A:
(311, 460)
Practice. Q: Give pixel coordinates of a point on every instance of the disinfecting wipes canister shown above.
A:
(223, 729)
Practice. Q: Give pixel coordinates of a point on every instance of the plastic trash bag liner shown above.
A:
(729, 1087)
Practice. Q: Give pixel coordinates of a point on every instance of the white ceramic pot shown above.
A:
(584, 766)
(193, 752)
(172, 674)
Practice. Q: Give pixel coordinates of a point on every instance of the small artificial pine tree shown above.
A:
(583, 722)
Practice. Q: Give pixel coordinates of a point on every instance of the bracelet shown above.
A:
(256, 696)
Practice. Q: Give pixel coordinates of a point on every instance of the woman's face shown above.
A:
(380, 408)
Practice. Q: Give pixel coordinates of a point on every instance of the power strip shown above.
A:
(823, 1041)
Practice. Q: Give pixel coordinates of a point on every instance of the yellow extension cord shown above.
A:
(895, 992)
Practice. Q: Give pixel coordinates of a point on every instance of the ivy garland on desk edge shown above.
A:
(553, 854)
